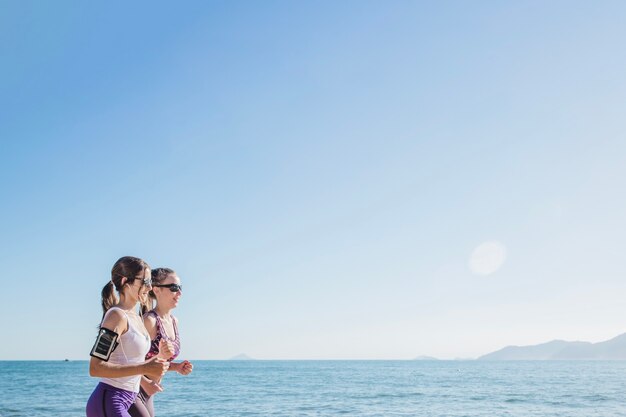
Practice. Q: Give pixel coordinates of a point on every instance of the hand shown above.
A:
(155, 368)
(185, 368)
(166, 349)
(151, 387)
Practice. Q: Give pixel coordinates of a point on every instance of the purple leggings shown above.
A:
(108, 401)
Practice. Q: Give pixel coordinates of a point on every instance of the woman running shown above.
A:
(163, 329)
(119, 354)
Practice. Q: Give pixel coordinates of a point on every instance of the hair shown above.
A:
(158, 276)
(126, 267)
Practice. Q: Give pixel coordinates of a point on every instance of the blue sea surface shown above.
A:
(339, 388)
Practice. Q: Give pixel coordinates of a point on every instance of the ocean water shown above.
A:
(339, 388)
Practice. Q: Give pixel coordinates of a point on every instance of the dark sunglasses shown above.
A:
(172, 287)
(146, 282)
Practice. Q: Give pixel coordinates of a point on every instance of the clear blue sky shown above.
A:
(318, 173)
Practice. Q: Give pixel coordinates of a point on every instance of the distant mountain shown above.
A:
(425, 358)
(241, 357)
(614, 349)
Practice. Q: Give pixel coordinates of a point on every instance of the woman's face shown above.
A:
(164, 294)
(141, 286)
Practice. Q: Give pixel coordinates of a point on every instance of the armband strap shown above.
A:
(106, 342)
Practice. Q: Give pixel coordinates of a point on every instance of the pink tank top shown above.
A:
(160, 334)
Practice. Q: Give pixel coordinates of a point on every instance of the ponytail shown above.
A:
(109, 298)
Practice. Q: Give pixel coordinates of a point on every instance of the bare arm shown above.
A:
(150, 322)
(185, 367)
(102, 369)
(174, 366)
(149, 386)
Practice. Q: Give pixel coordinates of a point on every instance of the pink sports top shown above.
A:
(160, 334)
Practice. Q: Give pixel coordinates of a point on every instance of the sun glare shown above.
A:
(487, 258)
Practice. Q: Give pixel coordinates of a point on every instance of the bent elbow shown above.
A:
(93, 369)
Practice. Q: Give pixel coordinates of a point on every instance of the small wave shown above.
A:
(516, 400)
(389, 395)
(596, 398)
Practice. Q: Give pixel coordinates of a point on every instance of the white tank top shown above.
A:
(132, 349)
